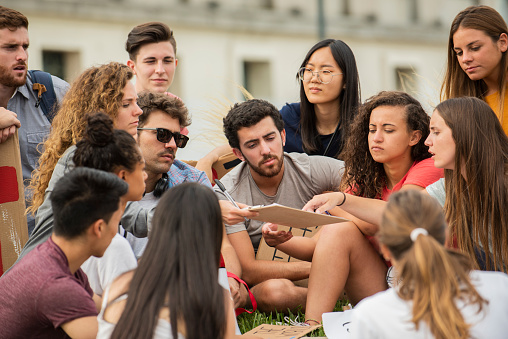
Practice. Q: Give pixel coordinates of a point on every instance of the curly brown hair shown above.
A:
(97, 89)
(174, 107)
(364, 176)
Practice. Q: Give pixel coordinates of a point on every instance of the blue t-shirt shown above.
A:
(291, 116)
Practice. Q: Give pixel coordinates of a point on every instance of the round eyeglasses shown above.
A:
(165, 135)
(324, 76)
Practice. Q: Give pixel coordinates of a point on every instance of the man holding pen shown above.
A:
(255, 131)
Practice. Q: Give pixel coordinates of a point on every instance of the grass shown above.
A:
(247, 321)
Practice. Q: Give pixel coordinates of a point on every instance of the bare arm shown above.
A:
(81, 328)
(238, 291)
(205, 163)
(366, 213)
(256, 271)
(297, 247)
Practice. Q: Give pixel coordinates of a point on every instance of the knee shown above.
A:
(340, 233)
(272, 293)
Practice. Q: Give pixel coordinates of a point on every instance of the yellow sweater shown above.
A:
(493, 101)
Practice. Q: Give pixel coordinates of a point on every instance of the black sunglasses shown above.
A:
(165, 136)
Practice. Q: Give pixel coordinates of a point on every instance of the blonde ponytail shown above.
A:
(431, 276)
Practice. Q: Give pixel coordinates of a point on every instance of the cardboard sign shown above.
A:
(222, 166)
(266, 252)
(225, 163)
(13, 228)
(288, 216)
(281, 331)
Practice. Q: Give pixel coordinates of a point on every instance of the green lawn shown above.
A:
(247, 322)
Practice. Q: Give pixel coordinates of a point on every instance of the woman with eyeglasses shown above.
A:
(477, 61)
(106, 88)
(329, 99)
(439, 295)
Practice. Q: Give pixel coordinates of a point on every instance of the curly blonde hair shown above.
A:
(97, 89)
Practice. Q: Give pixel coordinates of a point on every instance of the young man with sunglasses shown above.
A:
(159, 137)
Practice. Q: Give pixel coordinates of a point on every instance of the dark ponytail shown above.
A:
(106, 148)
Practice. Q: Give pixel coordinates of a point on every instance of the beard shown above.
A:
(9, 80)
(269, 171)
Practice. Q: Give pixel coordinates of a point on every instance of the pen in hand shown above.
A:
(223, 189)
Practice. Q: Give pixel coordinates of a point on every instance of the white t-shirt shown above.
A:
(437, 191)
(386, 315)
(117, 260)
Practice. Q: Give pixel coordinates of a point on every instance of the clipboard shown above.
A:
(288, 216)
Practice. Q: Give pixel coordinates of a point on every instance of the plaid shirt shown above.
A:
(180, 172)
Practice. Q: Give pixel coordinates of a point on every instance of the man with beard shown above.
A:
(17, 98)
(255, 131)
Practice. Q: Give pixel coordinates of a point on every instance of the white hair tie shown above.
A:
(416, 232)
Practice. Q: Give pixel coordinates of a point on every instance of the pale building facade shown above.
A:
(258, 44)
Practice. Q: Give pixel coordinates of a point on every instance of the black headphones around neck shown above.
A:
(161, 186)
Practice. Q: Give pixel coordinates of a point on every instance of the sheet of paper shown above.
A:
(336, 324)
(287, 216)
(281, 331)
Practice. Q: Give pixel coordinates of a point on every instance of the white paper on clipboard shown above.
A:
(288, 216)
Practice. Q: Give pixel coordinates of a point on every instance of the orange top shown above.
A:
(493, 101)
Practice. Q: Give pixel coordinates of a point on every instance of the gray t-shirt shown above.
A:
(437, 191)
(304, 176)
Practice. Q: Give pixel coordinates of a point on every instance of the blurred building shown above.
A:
(398, 44)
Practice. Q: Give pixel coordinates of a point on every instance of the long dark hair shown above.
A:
(430, 275)
(476, 207)
(349, 98)
(179, 269)
(106, 148)
(363, 175)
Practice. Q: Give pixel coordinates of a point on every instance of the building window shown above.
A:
(62, 64)
(257, 79)
(406, 79)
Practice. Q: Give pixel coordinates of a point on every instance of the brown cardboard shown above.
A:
(225, 163)
(266, 252)
(287, 216)
(13, 228)
(281, 331)
(222, 166)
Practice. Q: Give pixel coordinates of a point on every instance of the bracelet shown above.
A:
(307, 322)
(343, 201)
